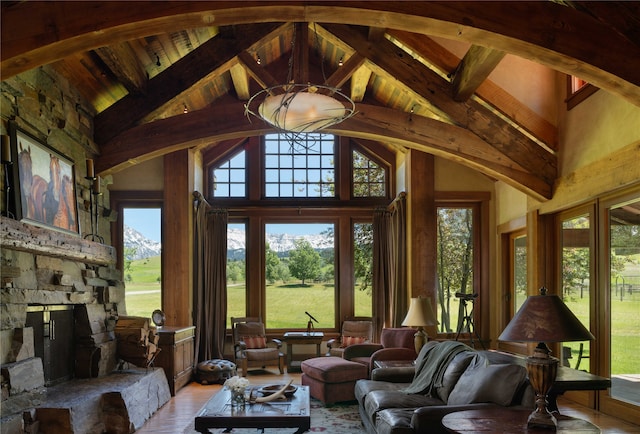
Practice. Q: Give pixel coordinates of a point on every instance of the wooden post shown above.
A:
(177, 243)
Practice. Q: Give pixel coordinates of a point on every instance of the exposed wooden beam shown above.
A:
(359, 83)
(346, 71)
(38, 33)
(301, 53)
(179, 77)
(471, 114)
(240, 80)
(370, 122)
(123, 63)
(536, 125)
(257, 72)
(475, 67)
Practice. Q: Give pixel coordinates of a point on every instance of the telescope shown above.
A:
(466, 296)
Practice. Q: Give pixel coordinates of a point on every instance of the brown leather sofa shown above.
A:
(448, 377)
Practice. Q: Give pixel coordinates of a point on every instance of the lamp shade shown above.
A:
(420, 313)
(545, 318)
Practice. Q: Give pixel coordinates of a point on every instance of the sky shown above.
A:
(144, 220)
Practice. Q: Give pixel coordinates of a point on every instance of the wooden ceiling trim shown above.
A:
(346, 71)
(257, 72)
(176, 79)
(59, 29)
(494, 95)
(436, 90)
(473, 70)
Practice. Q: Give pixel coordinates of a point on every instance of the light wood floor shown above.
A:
(174, 416)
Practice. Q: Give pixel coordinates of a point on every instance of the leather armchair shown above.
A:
(395, 344)
(354, 330)
(251, 348)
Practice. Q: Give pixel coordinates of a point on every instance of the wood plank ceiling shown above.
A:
(155, 92)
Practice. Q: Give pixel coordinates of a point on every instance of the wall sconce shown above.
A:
(7, 162)
(93, 201)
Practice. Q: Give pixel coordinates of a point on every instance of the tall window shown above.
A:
(455, 260)
(236, 271)
(300, 275)
(576, 266)
(624, 275)
(363, 268)
(369, 178)
(518, 270)
(306, 171)
(142, 250)
(229, 178)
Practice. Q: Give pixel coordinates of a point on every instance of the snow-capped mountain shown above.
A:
(144, 247)
(236, 242)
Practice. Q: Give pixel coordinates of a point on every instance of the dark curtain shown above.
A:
(210, 280)
(390, 265)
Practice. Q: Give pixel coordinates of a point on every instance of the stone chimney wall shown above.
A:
(44, 267)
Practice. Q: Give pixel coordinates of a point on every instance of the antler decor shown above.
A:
(279, 394)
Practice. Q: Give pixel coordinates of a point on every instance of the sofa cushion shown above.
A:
(364, 387)
(453, 372)
(378, 400)
(489, 383)
(394, 421)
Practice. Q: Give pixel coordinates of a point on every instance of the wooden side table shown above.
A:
(510, 420)
(300, 338)
(176, 355)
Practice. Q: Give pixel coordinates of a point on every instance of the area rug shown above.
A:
(335, 419)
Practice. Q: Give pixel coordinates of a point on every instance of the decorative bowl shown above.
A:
(273, 388)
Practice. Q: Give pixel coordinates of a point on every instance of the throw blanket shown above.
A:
(431, 364)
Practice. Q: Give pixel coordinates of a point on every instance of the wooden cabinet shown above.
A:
(176, 355)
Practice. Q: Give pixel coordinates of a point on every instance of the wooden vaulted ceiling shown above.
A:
(163, 76)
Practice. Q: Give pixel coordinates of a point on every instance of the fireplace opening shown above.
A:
(53, 336)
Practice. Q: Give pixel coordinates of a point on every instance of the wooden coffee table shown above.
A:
(507, 420)
(293, 412)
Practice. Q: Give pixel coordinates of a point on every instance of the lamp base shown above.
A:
(542, 370)
(419, 339)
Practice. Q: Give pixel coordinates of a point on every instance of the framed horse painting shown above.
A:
(46, 190)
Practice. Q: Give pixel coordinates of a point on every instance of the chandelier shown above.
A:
(296, 109)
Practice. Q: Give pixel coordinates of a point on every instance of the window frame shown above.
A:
(480, 203)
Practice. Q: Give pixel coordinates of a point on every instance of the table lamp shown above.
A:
(543, 318)
(420, 315)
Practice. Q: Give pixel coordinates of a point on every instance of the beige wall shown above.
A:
(145, 176)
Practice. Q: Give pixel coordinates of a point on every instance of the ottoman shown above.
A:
(215, 371)
(332, 379)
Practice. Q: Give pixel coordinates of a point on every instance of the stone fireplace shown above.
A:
(59, 305)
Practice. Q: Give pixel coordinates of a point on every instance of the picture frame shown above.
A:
(44, 184)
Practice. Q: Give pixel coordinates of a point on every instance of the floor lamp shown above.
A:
(543, 318)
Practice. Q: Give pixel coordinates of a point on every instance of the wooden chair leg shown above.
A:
(243, 366)
(281, 364)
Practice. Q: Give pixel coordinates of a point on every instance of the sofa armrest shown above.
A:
(401, 374)
(360, 350)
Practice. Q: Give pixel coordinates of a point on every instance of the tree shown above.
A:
(454, 260)
(272, 264)
(363, 255)
(129, 253)
(304, 262)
